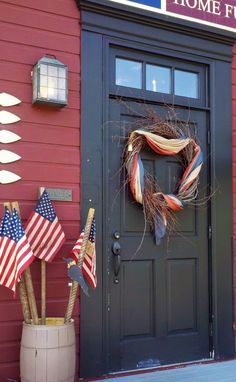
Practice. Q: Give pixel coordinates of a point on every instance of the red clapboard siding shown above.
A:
(24, 91)
(23, 16)
(39, 37)
(58, 135)
(9, 371)
(46, 115)
(9, 351)
(28, 191)
(234, 167)
(12, 52)
(51, 154)
(10, 331)
(46, 173)
(49, 147)
(22, 75)
(62, 7)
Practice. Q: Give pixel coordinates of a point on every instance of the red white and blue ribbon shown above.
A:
(163, 146)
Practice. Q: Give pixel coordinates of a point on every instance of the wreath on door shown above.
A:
(169, 139)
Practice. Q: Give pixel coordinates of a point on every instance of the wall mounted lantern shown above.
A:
(50, 82)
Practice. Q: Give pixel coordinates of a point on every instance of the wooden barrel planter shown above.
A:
(48, 352)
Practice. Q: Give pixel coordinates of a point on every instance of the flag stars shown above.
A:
(44, 231)
(45, 208)
(16, 254)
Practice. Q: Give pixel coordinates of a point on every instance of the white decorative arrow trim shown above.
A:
(8, 177)
(6, 117)
(8, 100)
(7, 156)
(7, 136)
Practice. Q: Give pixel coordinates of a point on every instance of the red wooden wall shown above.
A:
(50, 144)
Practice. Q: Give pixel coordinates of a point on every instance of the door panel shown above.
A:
(158, 305)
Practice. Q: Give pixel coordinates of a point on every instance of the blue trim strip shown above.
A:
(150, 3)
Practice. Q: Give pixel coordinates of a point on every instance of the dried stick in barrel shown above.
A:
(74, 286)
(24, 300)
(43, 292)
(43, 281)
(29, 284)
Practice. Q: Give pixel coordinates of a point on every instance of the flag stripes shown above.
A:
(77, 247)
(45, 238)
(89, 261)
(89, 270)
(15, 252)
(44, 231)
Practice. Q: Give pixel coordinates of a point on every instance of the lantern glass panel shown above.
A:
(61, 83)
(43, 80)
(52, 82)
(43, 69)
(35, 92)
(35, 80)
(43, 92)
(52, 93)
(62, 72)
(52, 71)
(62, 95)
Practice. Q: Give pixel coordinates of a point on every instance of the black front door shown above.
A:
(173, 302)
(159, 301)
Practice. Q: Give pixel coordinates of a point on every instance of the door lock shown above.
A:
(116, 249)
(116, 235)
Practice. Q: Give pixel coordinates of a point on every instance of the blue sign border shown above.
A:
(149, 3)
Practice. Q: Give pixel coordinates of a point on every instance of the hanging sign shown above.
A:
(217, 13)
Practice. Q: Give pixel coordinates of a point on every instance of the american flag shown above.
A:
(89, 263)
(44, 231)
(77, 248)
(15, 251)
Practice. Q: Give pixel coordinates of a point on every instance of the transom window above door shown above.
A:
(156, 78)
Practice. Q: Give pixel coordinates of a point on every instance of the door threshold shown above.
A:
(180, 365)
(162, 367)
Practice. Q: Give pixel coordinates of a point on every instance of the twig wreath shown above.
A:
(164, 138)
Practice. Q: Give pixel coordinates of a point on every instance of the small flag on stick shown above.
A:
(44, 231)
(15, 251)
(89, 261)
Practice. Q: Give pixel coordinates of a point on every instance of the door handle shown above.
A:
(116, 249)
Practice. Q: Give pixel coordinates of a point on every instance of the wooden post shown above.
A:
(74, 286)
(21, 287)
(43, 281)
(29, 284)
(43, 292)
(24, 300)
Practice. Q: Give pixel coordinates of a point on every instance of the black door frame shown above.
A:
(199, 43)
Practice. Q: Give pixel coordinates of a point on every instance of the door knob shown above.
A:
(116, 249)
